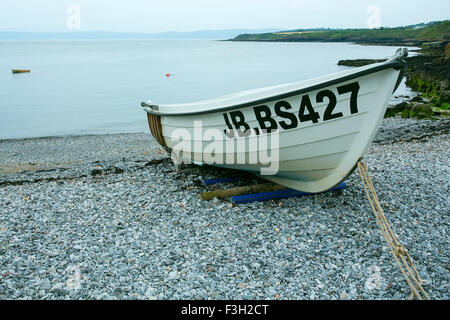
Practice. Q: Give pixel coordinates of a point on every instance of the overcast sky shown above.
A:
(190, 15)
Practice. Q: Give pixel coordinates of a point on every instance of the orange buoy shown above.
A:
(168, 74)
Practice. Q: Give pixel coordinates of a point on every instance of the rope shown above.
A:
(401, 255)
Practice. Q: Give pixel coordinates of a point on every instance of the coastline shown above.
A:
(428, 74)
(362, 43)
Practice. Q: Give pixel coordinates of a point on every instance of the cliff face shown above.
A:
(429, 72)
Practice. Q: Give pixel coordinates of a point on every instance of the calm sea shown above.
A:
(95, 86)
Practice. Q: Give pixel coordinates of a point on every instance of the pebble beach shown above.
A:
(108, 217)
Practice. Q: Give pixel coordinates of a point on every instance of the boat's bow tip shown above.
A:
(400, 54)
(398, 58)
(406, 52)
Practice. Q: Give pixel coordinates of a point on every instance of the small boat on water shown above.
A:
(307, 135)
(20, 70)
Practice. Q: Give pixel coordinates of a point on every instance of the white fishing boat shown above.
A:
(316, 130)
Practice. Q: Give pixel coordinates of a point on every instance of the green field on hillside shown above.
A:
(434, 31)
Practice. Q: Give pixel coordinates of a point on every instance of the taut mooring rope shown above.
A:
(401, 255)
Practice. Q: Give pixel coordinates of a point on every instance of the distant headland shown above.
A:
(413, 35)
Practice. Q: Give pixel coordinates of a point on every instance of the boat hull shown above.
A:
(306, 139)
(20, 71)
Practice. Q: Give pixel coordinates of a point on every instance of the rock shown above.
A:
(118, 224)
(242, 285)
(96, 172)
(445, 96)
(401, 106)
(392, 111)
(418, 111)
(359, 62)
(421, 111)
(405, 112)
(173, 275)
(417, 99)
(440, 112)
(58, 290)
(53, 253)
(118, 170)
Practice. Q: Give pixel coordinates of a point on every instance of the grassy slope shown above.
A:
(435, 31)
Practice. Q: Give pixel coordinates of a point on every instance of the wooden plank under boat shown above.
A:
(318, 129)
(20, 70)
